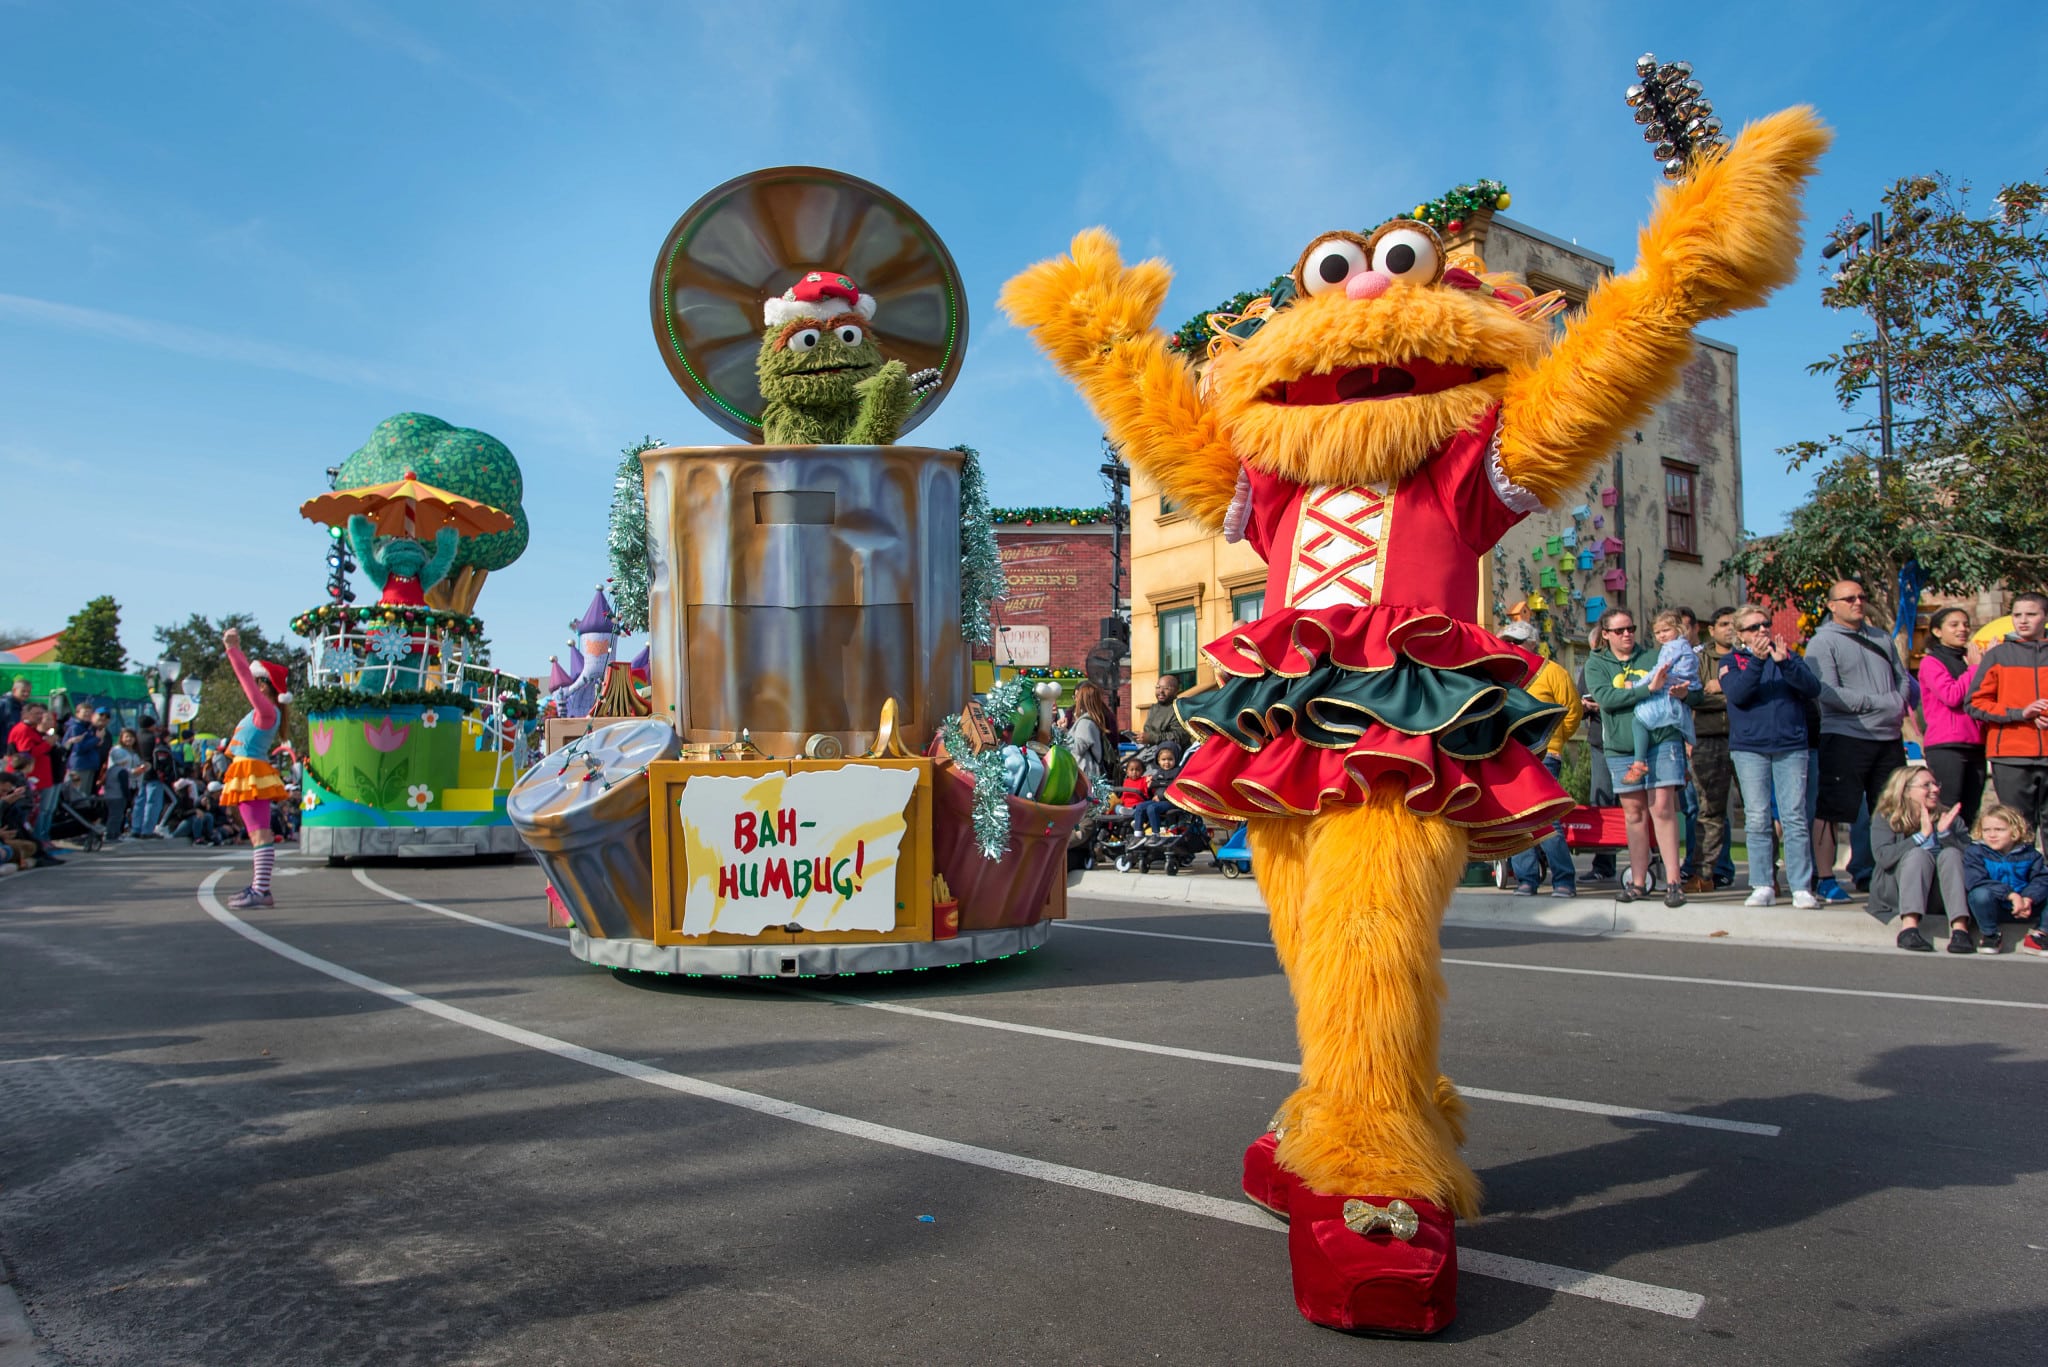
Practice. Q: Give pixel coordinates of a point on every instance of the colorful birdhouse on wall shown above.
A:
(1616, 579)
(1582, 510)
(1610, 496)
(1586, 559)
(1548, 578)
(1553, 545)
(1570, 538)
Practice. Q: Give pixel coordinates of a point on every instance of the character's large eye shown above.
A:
(849, 334)
(803, 339)
(1409, 251)
(1329, 262)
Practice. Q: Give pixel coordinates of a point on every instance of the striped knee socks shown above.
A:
(266, 855)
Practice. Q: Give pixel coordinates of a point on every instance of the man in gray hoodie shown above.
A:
(1864, 695)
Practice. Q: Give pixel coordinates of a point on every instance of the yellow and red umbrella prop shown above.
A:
(1991, 633)
(407, 507)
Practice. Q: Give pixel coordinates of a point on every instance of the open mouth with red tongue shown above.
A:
(1364, 382)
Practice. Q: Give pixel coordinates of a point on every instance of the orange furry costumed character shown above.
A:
(1386, 427)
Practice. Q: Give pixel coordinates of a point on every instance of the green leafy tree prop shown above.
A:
(92, 638)
(1963, 299)
(626, 538)
(463, 461)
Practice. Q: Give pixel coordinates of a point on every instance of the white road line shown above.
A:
(560, 942)
(1662, 1300)
(1555, 1103)
(1613, 973)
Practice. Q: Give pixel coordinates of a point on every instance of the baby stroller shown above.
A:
(1175, 847)
(79, 818)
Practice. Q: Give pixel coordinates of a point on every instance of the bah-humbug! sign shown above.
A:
(817, 848)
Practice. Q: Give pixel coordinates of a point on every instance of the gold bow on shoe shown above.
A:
(1397, 1217)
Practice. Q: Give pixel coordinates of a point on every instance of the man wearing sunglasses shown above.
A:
(1864, 695)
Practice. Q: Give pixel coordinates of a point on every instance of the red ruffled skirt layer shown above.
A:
(1318, 705)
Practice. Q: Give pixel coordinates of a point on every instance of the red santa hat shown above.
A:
(820, 295)
(279, 679)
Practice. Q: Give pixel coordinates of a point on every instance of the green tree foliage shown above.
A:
(1963, 303)
(626, 538)
(92, 638)
(463, 461)
(195, 645)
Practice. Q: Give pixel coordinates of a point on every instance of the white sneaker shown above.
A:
(1805, 901)
(1760, 897)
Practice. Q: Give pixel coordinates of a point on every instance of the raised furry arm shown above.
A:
(1093, 316)
(362, 539)
(1719, 241)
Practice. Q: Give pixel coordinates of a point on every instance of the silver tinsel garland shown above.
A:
(626, 538)
(982, 582)
(991, 811)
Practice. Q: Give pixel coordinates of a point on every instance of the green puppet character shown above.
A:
(399, 565)
(822, 375)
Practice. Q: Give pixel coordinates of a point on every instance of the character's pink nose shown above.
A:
(1368, 284)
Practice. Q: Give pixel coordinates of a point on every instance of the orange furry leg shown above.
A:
(1372, 1113)
(1280, 860)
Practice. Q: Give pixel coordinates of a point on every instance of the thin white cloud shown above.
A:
(535, 401)
(376, 28)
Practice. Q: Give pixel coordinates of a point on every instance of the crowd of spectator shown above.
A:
(80, 782)
(1816, 744)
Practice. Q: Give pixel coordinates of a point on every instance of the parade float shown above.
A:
(811, 790)
(414, 740)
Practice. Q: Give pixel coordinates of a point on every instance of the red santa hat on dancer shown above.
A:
(279, 680)
(820, 296)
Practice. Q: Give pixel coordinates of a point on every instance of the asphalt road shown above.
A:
(358, 1130)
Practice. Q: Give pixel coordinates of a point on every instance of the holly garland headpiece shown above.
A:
(1239, 317)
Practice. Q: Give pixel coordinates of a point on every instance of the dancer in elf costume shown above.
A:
(1392, 418)
(250, 783)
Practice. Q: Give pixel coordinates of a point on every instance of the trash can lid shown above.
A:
(581, 775)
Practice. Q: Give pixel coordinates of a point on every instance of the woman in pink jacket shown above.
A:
(1954, 740)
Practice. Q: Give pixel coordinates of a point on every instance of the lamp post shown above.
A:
(169, 670)
(1865, 245)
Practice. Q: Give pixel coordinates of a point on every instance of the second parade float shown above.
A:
(803, 785)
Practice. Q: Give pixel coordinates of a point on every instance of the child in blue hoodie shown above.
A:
(2004, 875)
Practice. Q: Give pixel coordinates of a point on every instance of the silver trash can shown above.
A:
(583, 812)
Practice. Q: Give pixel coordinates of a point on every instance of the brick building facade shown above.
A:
(1061, 587)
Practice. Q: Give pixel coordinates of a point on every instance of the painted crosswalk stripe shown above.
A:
(1607, 972)
(1555, 1103)
(1661, 1300)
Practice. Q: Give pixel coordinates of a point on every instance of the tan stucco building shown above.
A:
(1648, 531)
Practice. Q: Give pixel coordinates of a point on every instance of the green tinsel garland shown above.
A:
(1073, 517)
(453, 626)
(1192, 337)
(329, 698)
(982, 581)
(626, 538)
(990, 812)
(1448, 213)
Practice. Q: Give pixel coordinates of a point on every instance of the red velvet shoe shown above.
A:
(1266, 1183)
(1354, 1270)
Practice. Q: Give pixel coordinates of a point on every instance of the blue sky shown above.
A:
(235, 236)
